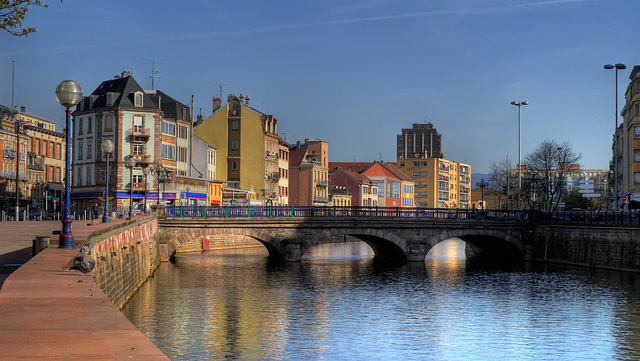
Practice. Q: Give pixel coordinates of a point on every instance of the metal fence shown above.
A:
(568, 217)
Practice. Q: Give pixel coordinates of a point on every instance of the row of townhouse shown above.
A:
(374, 184)
(33, 153)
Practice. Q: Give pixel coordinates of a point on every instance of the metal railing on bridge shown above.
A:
(339, 212)
(568, 217)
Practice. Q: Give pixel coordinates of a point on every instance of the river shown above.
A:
(341, 304)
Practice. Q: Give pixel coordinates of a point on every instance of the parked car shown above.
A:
(35, 213)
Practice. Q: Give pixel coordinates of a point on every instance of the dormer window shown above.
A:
(109, 99)
(137, 99)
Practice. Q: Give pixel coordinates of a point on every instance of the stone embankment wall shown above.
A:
(174, 240)
(124, 258)
(604, 247)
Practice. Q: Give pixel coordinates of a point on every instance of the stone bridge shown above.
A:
(401, 240)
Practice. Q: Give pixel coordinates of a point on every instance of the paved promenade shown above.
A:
(50, 312)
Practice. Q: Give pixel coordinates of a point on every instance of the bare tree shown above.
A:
(12, 12)
(549, 165)
(500, 180)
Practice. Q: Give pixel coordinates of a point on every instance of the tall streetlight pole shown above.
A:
(68, 94)
(146, 172)
(519, 104)
(618, 66)
(482, 185)
(130, 163)
(107, 148)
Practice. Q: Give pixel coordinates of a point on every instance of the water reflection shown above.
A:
(341, 303)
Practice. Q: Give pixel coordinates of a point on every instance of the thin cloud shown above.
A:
(413, 15)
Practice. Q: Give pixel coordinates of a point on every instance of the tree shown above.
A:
(500, 181)
(12, 12)
(551, 163)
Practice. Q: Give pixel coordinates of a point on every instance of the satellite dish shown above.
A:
(417, 155)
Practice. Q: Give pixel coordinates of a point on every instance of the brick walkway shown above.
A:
(50, 312)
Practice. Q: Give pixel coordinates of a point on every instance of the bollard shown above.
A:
(40, 243)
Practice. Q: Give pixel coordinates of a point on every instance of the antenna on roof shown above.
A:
(153, 73)
(220, 86)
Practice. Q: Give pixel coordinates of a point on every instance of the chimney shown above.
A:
(241, 98)
(246, 101)
(199, 119)
(229, 97)
(298, 144)
(217, 103)
(126, 74)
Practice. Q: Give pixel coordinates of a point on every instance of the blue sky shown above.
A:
(353, 73)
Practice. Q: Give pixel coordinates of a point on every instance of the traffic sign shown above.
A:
(623, 197)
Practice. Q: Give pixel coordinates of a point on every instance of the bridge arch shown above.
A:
(499, 245)
(384, 244)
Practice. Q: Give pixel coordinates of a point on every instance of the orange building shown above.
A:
(309, 173)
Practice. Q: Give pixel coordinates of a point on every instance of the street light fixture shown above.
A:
(519, 104)
(68, 94)
(146, 171)
(618, 66)
(107, 148)
(130, 163)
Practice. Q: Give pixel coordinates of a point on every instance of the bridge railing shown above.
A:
(341, 212)
(556, 217)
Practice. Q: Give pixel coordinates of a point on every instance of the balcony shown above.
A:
(140, 134)
(142, 158)
(321, 199)
(274, 176)
(322, 183)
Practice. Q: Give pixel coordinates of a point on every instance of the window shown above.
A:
(168, 151)
(182, 154)
(636, 155)
(168, 128)
(89, 125)
(108, 123)
(234, 165)
(137, 124)
(138, 99)
(80, 126)
(636, 178)
(234, 145)
(89, 147)
(58, 150)
(184, 113)
(80, 149)
(137, 176)
(109, 99)
(182, 132)
(234, 125)
(419, 164)
(636, 132)
(138, 148)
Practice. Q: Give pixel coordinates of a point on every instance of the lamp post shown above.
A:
(519, 104)
(618, 66)
(68, 94)
(107, 148)
(163, 178)
(146, 172)
(482, 185)
(130, 163)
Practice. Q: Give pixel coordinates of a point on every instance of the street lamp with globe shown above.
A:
(68, 94)
(130, 163)
(107, 148)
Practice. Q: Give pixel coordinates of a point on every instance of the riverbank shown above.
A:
(50, 311)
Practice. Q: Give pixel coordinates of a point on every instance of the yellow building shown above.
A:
(247, 146)
(439, 183)
(628, 135)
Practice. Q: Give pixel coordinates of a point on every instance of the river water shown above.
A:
(341, 304)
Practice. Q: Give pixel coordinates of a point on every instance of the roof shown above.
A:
(360, 178)
(123, 89)
(296, 155)
(354, 166)
(171, 108)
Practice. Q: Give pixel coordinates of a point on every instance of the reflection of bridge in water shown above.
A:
(395, 233)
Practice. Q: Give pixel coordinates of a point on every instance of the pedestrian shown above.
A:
(95, 210)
